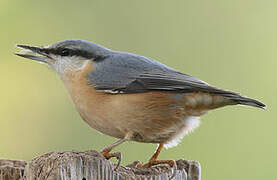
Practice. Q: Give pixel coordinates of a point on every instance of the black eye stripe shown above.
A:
(73, 52)
(99, 58)
(68, 52)
(65, 52)
(59, 51)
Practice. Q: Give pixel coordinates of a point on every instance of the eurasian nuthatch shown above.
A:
(132, 97)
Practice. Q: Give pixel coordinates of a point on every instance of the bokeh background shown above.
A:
(230, 44)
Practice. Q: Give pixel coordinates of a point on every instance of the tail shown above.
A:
(239, 99)
(250, 102)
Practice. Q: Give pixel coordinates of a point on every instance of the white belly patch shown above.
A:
(188, 125)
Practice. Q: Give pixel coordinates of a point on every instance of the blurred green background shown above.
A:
(230, 44)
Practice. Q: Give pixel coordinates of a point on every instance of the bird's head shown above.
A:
(69, 55)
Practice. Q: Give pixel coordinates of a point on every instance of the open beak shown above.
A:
(34, 53)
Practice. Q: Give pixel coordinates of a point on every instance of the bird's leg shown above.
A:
(153, 160)
(106, 151)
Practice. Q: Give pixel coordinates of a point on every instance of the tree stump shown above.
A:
(10, 169)
(91, 165)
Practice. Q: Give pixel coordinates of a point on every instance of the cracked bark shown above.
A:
(90, 165)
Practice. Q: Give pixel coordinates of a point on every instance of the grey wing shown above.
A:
(129, 73)
(157, 80)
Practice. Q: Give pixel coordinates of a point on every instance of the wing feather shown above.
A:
(129, 73)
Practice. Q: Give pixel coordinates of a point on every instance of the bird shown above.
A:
(132, 97)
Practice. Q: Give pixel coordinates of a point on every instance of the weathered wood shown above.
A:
(10, 169)
(90, 165)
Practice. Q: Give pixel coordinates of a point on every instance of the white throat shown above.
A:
(65, 64)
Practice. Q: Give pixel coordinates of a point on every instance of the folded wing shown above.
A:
(130, 73)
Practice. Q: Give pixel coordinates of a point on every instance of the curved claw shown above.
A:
(171, 163)
(118, 157)
(157, 162)
(108, 156)
(174, 170)
(135, 164)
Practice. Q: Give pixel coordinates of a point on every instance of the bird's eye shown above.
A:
(65, 52)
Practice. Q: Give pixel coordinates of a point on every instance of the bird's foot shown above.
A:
(109, 155)
(151, 163)
(135, 164)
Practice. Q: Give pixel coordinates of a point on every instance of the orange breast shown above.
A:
(150, 117)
